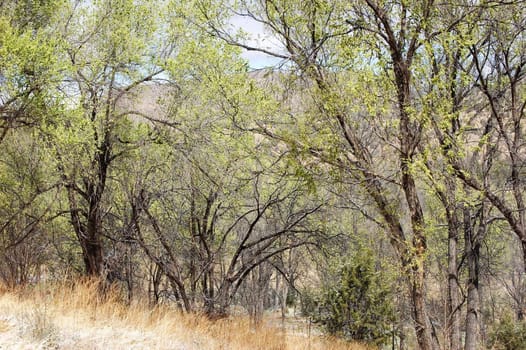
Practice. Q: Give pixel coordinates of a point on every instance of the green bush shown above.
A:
(359, 307)
(508, 334)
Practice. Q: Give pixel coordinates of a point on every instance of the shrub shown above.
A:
(508, 334)
(358, 307)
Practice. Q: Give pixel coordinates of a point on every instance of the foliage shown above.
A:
(359, 307)
(508, 334)
(30, 68)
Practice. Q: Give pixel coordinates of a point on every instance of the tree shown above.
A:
(473, 64)
(496, 69)
(329, 43)
(104, 70)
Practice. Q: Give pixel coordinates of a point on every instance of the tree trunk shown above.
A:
(423, 327)
(92, 253)
(180, 293)
(472, 251)
(156, 275)
(453, 298)
(422, 324)
(283, 300)
(87, 235)
(93, 257)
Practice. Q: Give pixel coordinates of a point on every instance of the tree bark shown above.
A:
(93, 256)
(408, 142)
(472, 251)
(87, 235)
(453, 299)
(449, 202)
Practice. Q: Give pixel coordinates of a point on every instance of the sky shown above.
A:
(259, 37)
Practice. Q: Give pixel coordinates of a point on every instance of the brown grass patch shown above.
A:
(79, 310)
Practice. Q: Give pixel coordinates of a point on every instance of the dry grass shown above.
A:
(74, 316)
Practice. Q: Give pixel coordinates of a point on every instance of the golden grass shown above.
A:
(4, 326)
(77, 312)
